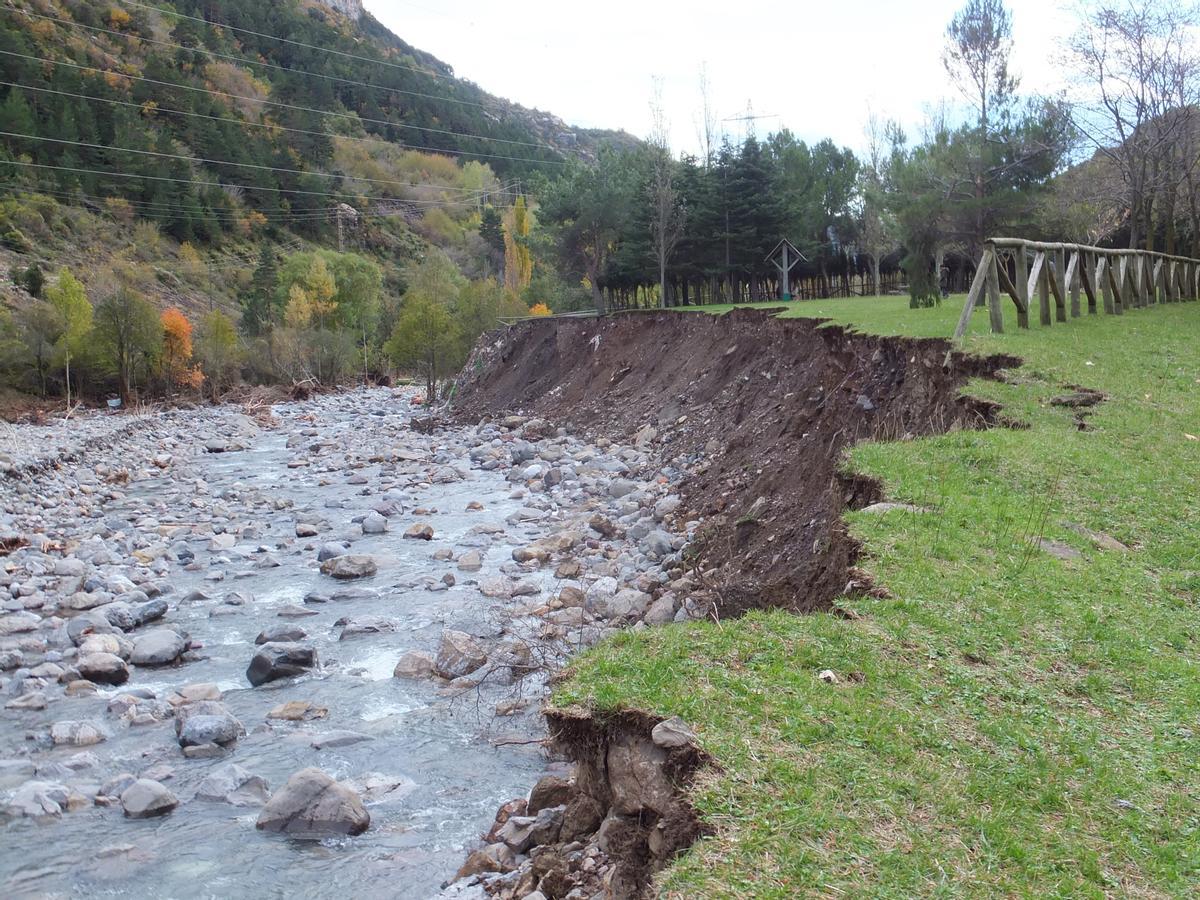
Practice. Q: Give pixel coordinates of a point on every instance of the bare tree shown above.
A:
(876, 234)
(706, 125)
(666, 208)
(1138, 63)
(978, 44)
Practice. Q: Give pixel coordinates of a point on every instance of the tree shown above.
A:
(308, 285)
(876, 226)
(1140, 63)
(491, 229)
(175, 359)
(518, 261)
(667, 212)
(587, 208)
(69, 299)
(41, 327)
(259, 310)
(217, 350)
(128, 330)
(978, 44)
(425, 338)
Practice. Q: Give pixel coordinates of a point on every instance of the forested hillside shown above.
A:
(184, 154)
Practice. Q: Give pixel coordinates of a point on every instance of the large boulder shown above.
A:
(157, 647)
(280, 660)
(103, 668)
(145, 798)
(350, 566)
(458, 654)
(313, 805)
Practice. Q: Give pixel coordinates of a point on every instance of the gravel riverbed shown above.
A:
(303, 653)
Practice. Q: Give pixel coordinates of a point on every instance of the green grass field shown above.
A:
(1009, 723)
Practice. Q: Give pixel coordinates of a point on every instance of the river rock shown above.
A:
(419, 531)
(298, 711)
(350, 566)
(331, 551)
(32, 701)
(549, 791)
(414, 664)
(38, 798)
(232, 784)
(221, 729)
(103, 668)
(282, 633)
(368, 625)
(471, 561)
(72, 733)
(672, 733)
(458, 654)
(313, 805)
(284, 660)
(157, 647)
(145, 799)
(522, 832)
(340, 738)
(374, 523)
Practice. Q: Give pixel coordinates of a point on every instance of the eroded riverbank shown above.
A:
(207, 525)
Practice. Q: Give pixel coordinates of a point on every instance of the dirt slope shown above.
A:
(757, 409)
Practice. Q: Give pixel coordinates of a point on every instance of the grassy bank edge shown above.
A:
(1007, 721)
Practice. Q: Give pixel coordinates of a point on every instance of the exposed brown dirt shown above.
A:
(757, 409)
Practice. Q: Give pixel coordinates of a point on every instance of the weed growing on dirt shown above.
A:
(1021, 716)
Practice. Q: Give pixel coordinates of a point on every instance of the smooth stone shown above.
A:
(233, 785)
(157, 647)
(340, 738)
(275, 661)
(350, 566)
(145, 799)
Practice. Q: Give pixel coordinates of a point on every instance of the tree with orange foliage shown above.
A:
(540, 309)
(175, 363)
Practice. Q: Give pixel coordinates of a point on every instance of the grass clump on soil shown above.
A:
(1021, 716)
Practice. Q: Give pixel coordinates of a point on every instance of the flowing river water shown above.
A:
(425, 756)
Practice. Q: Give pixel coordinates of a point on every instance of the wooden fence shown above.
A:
(1115, 279)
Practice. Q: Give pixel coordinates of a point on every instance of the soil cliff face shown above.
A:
(757, 409)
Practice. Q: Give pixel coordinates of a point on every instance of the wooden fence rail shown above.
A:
(1115, 279)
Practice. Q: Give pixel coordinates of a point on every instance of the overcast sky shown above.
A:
(817, 67)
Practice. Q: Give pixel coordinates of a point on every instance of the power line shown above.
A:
(231, 215)
(324, 112)
(270, 126)
(283, 40)
(217, 184)
(223, 162)
(254, 62)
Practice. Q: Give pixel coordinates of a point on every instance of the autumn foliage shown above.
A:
(540, 309)
(176, 361)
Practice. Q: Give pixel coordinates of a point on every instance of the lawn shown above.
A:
(1008, 722)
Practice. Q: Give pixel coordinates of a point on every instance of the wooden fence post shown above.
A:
(1021, 283)
(1073, 277)
(986, 264)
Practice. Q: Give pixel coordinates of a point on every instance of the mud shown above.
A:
(759, 411)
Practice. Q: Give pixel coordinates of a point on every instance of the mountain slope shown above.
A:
(227, 124)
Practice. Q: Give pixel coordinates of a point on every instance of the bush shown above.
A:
(31, 279)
